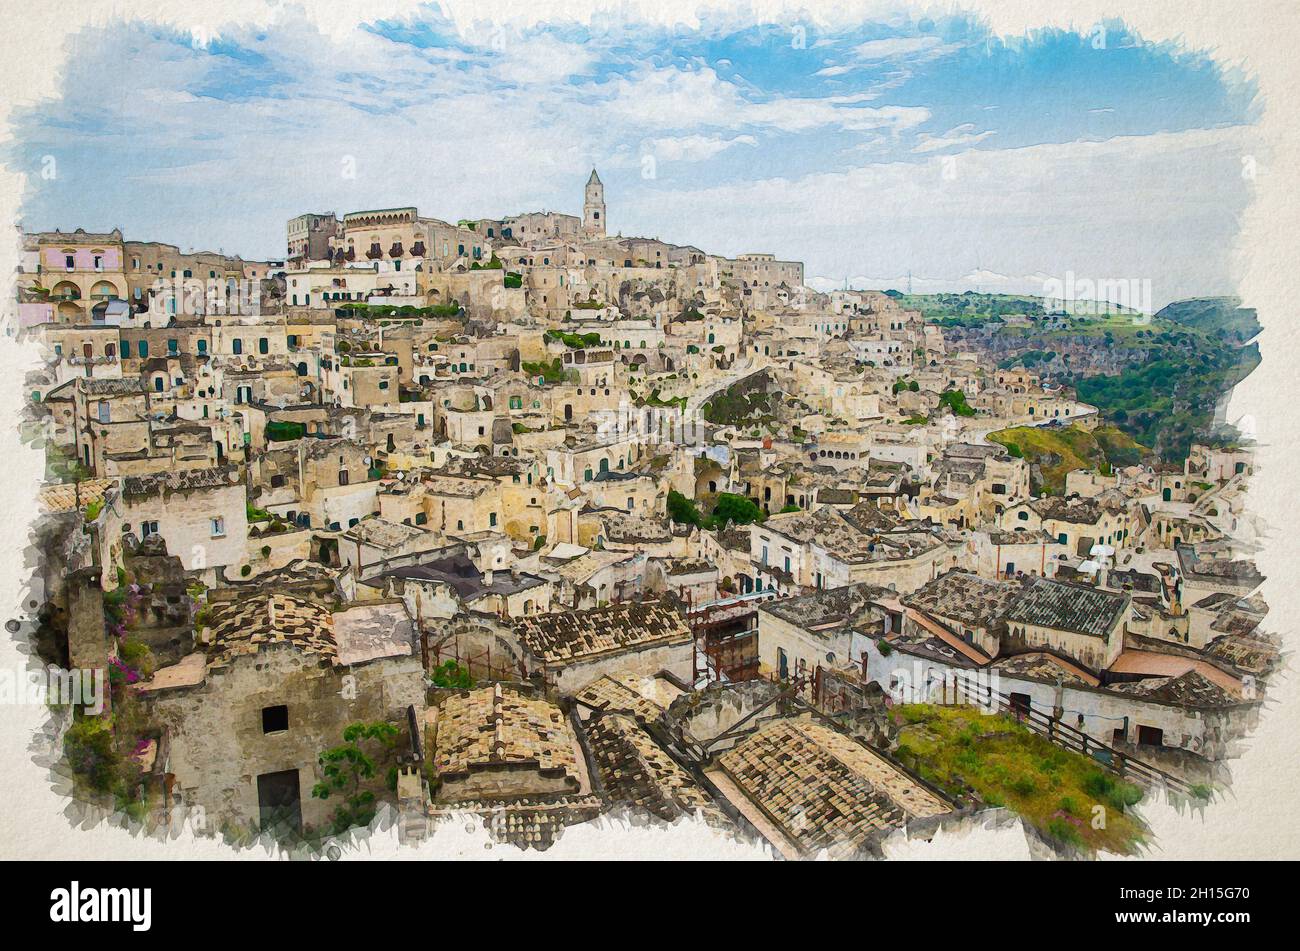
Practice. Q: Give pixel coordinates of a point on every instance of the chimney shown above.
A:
(487, 577)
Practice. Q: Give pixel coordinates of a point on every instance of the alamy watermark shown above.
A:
(1097, 296)
(54, 686)
(921, 684)
(191, 296)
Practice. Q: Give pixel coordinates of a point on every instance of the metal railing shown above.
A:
(1070, 738)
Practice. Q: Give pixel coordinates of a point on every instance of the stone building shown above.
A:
(570, 649)
(277, 681)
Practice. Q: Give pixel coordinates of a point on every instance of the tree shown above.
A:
(736, 509)
(682, 510)
(451, 674)
(346, 766)
(956, 400)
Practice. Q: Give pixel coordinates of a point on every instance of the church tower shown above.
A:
(593, 207)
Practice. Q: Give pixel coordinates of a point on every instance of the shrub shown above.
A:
(451, 674)
(683, 510)
(92, 753)
(1115, 793)
(956, 401)
(1024, 786)
(1062, 830)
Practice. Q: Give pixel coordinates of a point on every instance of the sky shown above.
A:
(904, 149)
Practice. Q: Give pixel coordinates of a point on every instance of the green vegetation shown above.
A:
(92, 753)
(1055, 451)
(970, 309)
(548, 371)
(136, 655)
(729, 509)
(1221, 317)
(683, 510)
(347, 767)
(94, 508)
(736, 510)
(655, 400)
(573, 341)
(513, 279)
(734, 408)
(402, 312)
(1180, 363)
(916, 420)
(1062, 794)
(493, 265)
(1169, 401)
(254, 514)
(283, 430)
(451, 674)
(1029, 359)
(956, 400)
(1120, 448)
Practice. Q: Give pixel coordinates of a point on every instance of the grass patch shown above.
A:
(1056, 451)
(962, 751)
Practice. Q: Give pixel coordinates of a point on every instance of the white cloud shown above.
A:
(1045, 209)
(692, 148)
(961, 135)
(902, 51)
(681, 99)
(895, 46)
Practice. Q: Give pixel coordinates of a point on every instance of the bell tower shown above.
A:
(593, 207)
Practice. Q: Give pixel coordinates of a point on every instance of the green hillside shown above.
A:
(1056, 451)
(1222, 317)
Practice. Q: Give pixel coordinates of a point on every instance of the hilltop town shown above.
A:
(522, 520)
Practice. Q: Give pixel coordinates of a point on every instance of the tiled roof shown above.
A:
(628, 692)
(634, 769)
(1077, 511)
(95, 386)
(822, 789)
(1045, 667)
(1253, 654)
(1191, 689)
(184, 480)
(846, 605)
(494, 725)
(575, 635)
(964, 597)
(1068, 607)
(64, 497)
(240, 628)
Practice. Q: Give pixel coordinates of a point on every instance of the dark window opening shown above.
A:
(275, 719)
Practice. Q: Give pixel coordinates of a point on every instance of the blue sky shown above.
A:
(903, 145)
